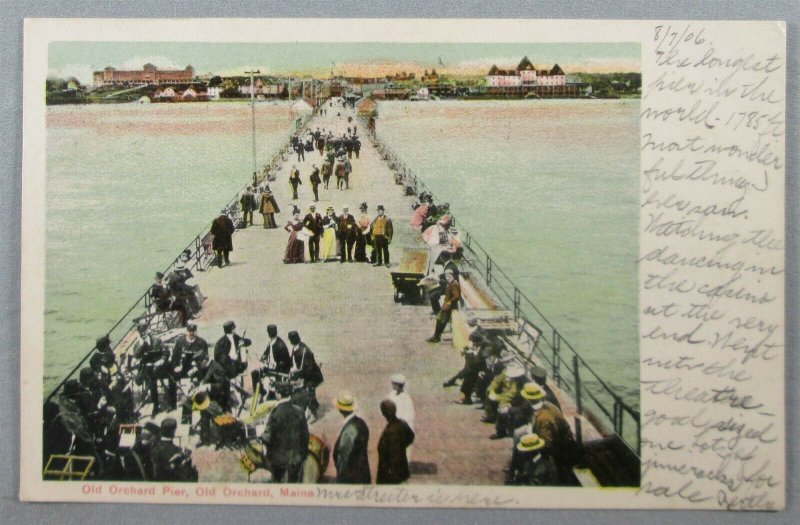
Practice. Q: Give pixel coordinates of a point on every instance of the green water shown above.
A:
(550, 190)
(128, 186)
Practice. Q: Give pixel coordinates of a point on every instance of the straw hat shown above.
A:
(399, 379)
(345, 402)
(532, 392)
(530, 442)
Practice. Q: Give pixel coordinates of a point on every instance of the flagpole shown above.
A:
(253, 115)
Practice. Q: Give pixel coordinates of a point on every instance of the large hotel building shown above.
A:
(149, 74)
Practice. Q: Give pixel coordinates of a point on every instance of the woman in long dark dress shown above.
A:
(295, 249)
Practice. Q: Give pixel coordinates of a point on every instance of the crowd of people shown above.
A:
(206, 387)
(344, 237)
(521, 406)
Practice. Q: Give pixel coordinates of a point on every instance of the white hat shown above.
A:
(514, 371)
(399, 379)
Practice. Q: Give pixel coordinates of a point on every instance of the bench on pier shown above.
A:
(406, 279)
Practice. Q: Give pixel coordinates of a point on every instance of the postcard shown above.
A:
(404, 263)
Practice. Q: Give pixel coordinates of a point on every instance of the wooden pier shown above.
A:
(347, 315)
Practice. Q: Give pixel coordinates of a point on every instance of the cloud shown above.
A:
(83, 72)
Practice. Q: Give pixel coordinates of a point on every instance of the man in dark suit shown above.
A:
(350, 451)
(313, 221)
(452, 295)
(222, 229)
(395, 439)
(248, 203)
(171, 462)
(286, 438)
(276, 357)
(228, 350)
(305, 369)
(315, 182)
(189, 349)
(151, 356)
(347, 233)
(186, 352)
(219, 390)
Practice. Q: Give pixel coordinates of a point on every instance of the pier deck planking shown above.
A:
(346, 314)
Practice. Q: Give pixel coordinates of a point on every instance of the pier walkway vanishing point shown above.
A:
(346, 314)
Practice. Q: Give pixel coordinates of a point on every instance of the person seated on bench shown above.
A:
(183, 286)
(165, 301)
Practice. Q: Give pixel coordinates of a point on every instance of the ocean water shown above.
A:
(128, 186)
(550, 189)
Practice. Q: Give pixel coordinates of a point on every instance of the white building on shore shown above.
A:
(525, 74)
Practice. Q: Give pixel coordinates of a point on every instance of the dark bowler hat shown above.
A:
(86, 375)
(229, 326)
(381, 208)
(168, 427)
(103, 342)
(152, 428)
(283, 388)
(476, 337)
(72, 388)
(272, 330)
(294, 337)
(159, 275)
(539, 374)
(191, 327)
(96, 361)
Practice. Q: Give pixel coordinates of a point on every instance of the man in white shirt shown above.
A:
(403, 402)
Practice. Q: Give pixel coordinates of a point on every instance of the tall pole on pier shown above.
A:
(253, 115)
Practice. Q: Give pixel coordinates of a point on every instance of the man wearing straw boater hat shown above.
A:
(530, 466)
(350, 451)
(504, 388)
(552, 426)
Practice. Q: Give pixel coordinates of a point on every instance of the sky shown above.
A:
(79, 59)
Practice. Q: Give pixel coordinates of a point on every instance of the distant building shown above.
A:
(525, 74)
(214, 92)
(149, 74)
(261, 88)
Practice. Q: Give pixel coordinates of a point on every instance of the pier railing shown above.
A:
(200, 257)
(567, 368)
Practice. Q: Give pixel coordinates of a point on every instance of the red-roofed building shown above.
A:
(149, 74)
